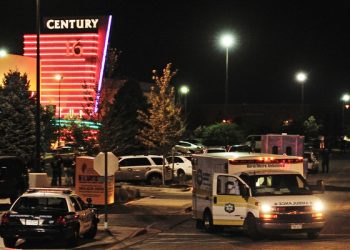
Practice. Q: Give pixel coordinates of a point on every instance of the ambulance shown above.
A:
(261, 194)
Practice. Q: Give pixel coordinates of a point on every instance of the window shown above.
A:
(176, 160)
(289, 150)
(81, 203)
(35, 203)
(228, 185)
(134, 162)
(158, 160)
(75, 203)
(275, 150)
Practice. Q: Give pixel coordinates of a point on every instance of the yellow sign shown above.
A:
(91, 184)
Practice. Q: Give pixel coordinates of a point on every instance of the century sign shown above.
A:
(71, 24)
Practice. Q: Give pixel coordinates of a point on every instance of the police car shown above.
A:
(49, 213)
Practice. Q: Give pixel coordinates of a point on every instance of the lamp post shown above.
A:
(301, 77)
(184, 90)
(227, 41)
(345, 98)
(59, 78)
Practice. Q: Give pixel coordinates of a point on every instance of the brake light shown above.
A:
(5, 219)
(268, 216)
(61, 220)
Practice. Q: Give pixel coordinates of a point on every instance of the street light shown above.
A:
(3, 53)
(59, 78)
(184, 90)
(301, 78)
(345, 98)
(227, 41)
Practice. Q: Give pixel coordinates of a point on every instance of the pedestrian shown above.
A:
(53, 164)
(59, 164)
(325, 160)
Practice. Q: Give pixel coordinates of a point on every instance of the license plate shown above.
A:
(32, 222)
(296, 226)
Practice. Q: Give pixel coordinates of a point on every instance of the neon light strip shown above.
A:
(67, 101)
(57, 54)
(71, 72)
(66, 95)
(62, 35)
(74, 107)
(68, 84)
(70, 77)
(103, 62)
(58, 48)
(62, 89)
(55, 42)
(59, 60)
(68, 65)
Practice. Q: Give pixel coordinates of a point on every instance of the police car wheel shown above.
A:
(313, 235)
(92, 232)
(73, 241)
(10, 242)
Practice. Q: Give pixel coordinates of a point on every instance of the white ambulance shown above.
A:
(259, 193)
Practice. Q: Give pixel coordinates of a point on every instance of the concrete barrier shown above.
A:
(39, 180)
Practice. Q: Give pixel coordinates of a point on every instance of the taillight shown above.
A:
(5, 218)
(61, 220)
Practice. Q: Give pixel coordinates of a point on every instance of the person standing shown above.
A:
(53, 164)
(325, 160)
(59, 164)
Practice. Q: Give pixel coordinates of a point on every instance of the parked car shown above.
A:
(239, 148)
(188, 148)
(182, 165)
(209, 150)
(13, 177)
(312, 162)
(48, 214)
(147, 168)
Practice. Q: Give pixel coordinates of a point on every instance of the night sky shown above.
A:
(275, 40)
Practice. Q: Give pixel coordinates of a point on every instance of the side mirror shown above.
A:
(245, 192)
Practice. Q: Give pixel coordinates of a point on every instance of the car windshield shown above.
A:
(25, 204)
(281, 184)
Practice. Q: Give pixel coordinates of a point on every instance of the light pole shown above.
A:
(227, 41)
(345, 98)
(301, 77)
(184, 90)
(59, 78)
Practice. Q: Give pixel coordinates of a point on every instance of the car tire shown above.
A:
(154, 179)
(10, 242)
(92, 231)
(250, 227)
(199, 224)
(73, 240)
(208, 222)
(181, 175)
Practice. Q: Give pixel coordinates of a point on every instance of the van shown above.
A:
(13, 177)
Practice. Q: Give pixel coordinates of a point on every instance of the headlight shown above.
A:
(265, 208)
(318, 206)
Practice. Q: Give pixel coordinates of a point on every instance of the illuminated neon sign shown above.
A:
(78, 55)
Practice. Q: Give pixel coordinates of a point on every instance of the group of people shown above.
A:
(57, 165)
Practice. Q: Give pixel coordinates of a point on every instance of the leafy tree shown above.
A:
(164, 125)
(120, 125)
(220, 134)
(47, 127)
(311, 128)
(17, 126)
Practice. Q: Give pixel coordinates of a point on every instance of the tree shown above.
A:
(17, 126)
(120, 125)
(164, 125)
(220, 134)
(311, 128)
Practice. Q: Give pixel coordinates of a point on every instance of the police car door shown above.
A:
(229, 206)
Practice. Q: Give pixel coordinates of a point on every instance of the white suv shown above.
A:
(142, 168)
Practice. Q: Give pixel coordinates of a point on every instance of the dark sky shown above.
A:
(275, 39)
